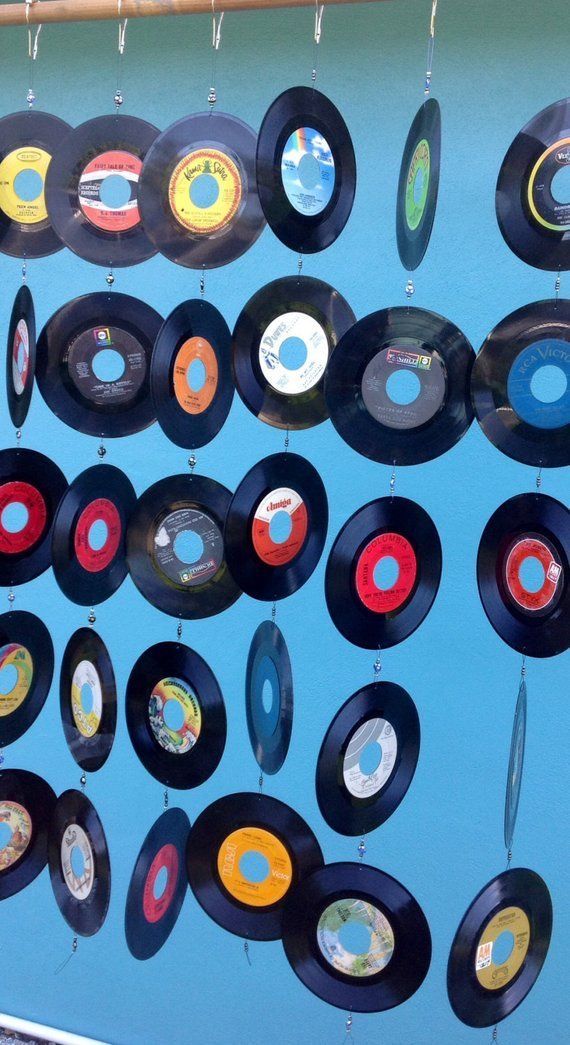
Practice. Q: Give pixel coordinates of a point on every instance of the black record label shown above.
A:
(88, 699)
(151, 913)
(79, 863)
(26, 663)
(31, 487)
(26, 806)
(418, 184)
(21, 356)
(268, 664)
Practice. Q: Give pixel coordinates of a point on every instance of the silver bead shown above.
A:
(30, 97)
(92, 618)
(18, 434)
(179, 629)
(212, 97)
(361, 848)
(2, 760)
(192, 461)
(109, 279)
(101, 451)
(410, 289)
(83, 780)
(377, 666)
(11, 596)
(118, 99)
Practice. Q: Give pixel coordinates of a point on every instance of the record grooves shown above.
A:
(418, 185)
(26, 646)
(21, 356)
(30, 479)
(269, 730)
(150, 918)
(89, 727)
(79, 863)
(26, 806)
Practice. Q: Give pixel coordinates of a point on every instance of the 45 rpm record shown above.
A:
(528, 346)
(523, 574)
(306, 170)
(418, 184)
(269, 731)
(368, 758)
(21, 356)
(149, 920)
(79, 863)
(89, 534)
(265, 564)
(397, 386)
(534, 220)
(31, 487)
(349, 898)
(93, 367)
(499, 948)
(281, 346)
(88, 699)
(191, 374)
(26, 652)
(92, 190)
(26, 806)
(176, 715)
(198, 191)
(231, 843)
(516, 762)
(28, 141)
(370, 604)
(175, 547)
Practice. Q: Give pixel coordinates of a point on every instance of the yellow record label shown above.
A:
(86, 678)
(261, 843)
(491, 973)
(17, 822)
(17, 657)
(222, 200)
(26, 212)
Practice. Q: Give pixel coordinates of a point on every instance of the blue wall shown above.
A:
(496, 64)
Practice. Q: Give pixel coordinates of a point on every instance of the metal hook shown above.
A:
(431, 45)
(216, 27)
(32, 40)
(319, 11)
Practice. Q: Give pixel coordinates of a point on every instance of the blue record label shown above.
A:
(308, 171)
(551, 353)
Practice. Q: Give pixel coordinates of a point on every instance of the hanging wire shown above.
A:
(121, 50)
(260, 783)
(246, 951)
(495, 1034)
(377, 666)
(348, 1029)
(203, 281)
(33, 43)
(69, 957)
(319, 12)
(393, 480)
(217, 21)
(165, 798)
(539, 479)
(430, 48)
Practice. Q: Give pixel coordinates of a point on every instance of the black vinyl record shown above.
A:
(182, 510)
(418, 184)
(390, 528)
(233, 828)
(21, 356)
(282, 341)
(516, 763)
(515, 356)
(195, 336)
(73, 377)
(149, 920)
(88, 699)
(397, 386)
(176, 715)
(263, 566)
(527, 601)
(357, 794)
(269, 731)
(26, 805)
(90, 533)
(92, 190)
(534, 222)
(31, 480)
(364, 900)
(79, 863)
(306, 170)
(198, 191)
(28, 141)
(485, 987)
(26, 649)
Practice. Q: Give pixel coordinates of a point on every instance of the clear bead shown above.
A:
(118, 99)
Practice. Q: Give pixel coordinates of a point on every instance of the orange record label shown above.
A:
(195, 402)
(280, 869)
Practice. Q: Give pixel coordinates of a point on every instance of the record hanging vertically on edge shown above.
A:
(88, 699)
(369, 603)
(397, 386)
(485, 980)
(269, 729)
(26, 650)
(306, 170)
(150, 918)
(198, 190)
(191, 374)
(282, 341)
(92, 190)
(31, 487)
(418, 184)
(516, 763)
(79, 863)
(523, 574)
(26, 806)
(21, 356)
(397, 959)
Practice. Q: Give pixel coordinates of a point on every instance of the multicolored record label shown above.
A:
(494, 971)
(180, 740)
(166, 862)
(87, 713)
(417, 184)
(23, 494)
(551, 353)
(263, 843)
(205, 191)
(200, 525)
(16, 819)
(301, 332)
(101, 510)
(538, 548)
(308, 171)
(383, 547)
(78, 870)
(347, 912)
(380, 372)
(270, 551)
(545, 208)
(80, 359)
(195, 349)
(374, 731)
(114, 163)
(24, 212)
(21, 357)
(13, 655)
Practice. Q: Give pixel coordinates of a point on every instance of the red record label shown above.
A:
(123, 217)
(279, 553)
(17, 492)
(104, 511)
(20, 357)
(532, 547)
(166, 859)
(386, 600)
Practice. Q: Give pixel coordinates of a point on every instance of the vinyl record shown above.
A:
(198, 191)
(92, 190)
(26, 651)
(21, 356)
(359, 901)
(28, 140)
(94, 393)
(230, 841)
(368, 758)
(88, 699)
(176, 715)
(265, 566)
(191, 374)
(31, 480)
(306, 170)
(149, 920)
(397, 386)
(516, 762)
(79, 863)
(486, 980)
(90, 533)
(269, 731)
(418, 184)
(282, 342)
(527, 347)
(370, 606)
(527, 602)
(175, 547)
(26, 806)
(534, 222)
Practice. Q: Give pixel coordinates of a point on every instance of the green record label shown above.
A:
(417, 184)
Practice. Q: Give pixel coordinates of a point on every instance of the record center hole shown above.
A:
(21, 358)
(160, 883)
(503, 948)
(188, 546)
(15, 517)
(5, 835)
(28, 185)
(173, 714)
(560, 184)
(354, 937)
(403, 387)
(548, 384)
(531, 574)
(204, 191)
(115, 191)
(386, 572)
(309, 171)
(418, 187)
(280, 527)
(98, 534)
(254, 866)
(370, 758)
(267, 696)
(293, 353)
(86, 698)
(108, 365)
(8, 679)
(77, 862)
(196, 375)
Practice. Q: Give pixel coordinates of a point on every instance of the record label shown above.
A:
(18, 657)
(544, 207)
(378, 373)
(177, 741)
(17, 819)
(195, 401)
(286, 500)
(545, 352)
(350, 911)
(279, 872)
(417, 184)
(79, 884)
(308, 171)
(386, 546)
(535, 548)
(114, 163)
(297, 327)
(166, 860)
(103, 511)
(494, 974)
(24, 212)
(21, 357)
(202, 526)
(81, 356)
(223, 189)
(21, 493)
(373, 731)
(86, 680)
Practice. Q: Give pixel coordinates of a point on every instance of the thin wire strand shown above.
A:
(319, 12)
(430, 48)
(217, 21)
